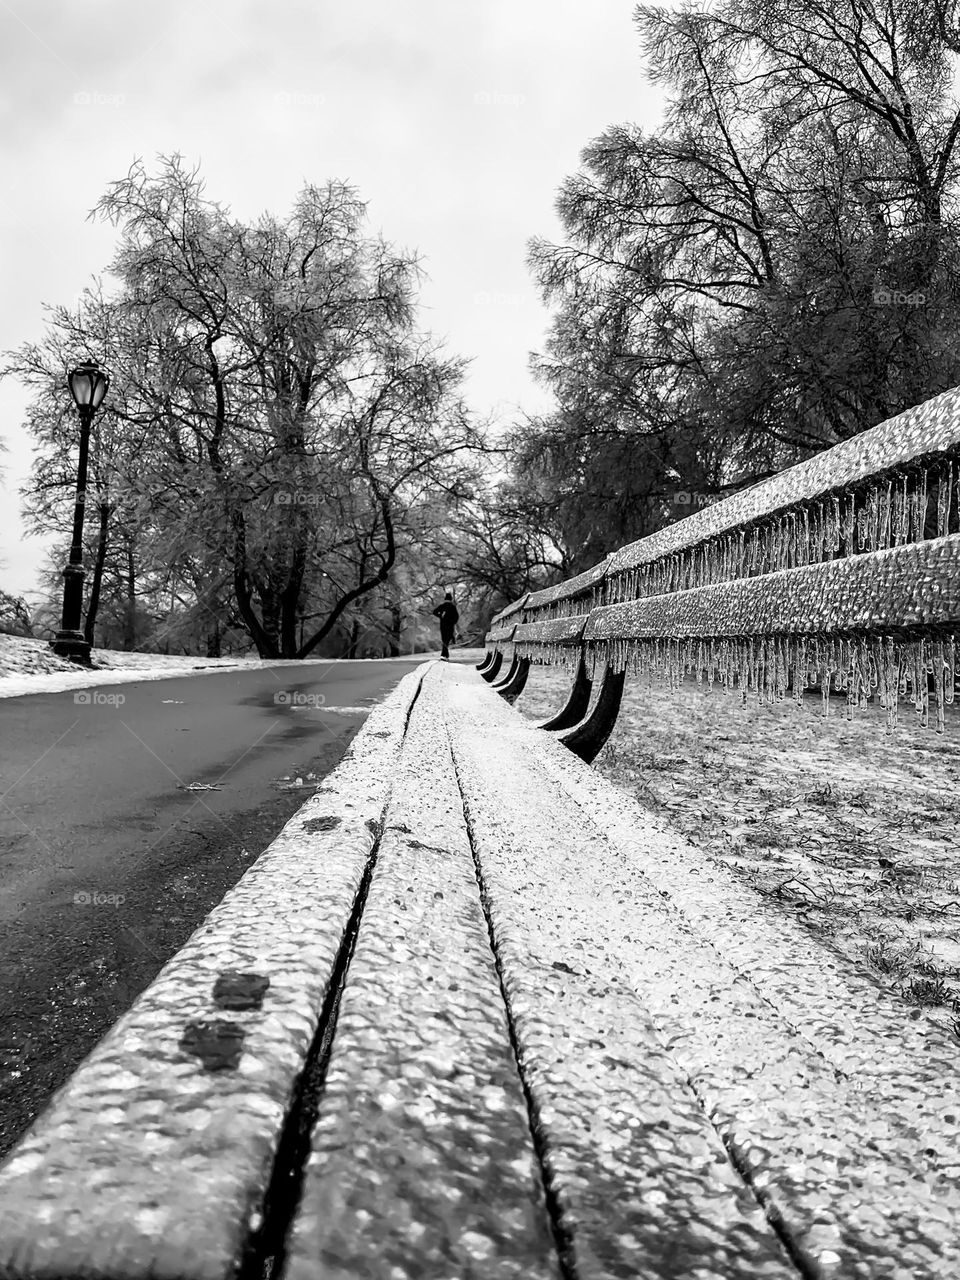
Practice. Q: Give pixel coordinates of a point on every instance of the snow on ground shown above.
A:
(31, 666)
(852, 831)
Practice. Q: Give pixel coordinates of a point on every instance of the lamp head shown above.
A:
(88, 385)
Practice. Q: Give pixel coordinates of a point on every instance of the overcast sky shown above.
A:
(455, 119)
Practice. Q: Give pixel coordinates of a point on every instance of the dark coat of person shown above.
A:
(449, 617)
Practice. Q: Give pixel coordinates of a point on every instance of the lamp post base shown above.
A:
(71, 644)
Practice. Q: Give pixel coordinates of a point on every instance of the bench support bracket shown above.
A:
(504, 680)
(577, 703)
(512, 687)
(491, 672)
(587, 738)
(485, 661)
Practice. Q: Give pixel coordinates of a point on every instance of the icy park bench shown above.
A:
(476, 1014)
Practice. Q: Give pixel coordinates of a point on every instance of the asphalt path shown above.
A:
(126, 813)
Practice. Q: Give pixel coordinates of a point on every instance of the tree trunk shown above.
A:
(354, 638)
(242, 590)
(130, 613)
(289, 615)
(396, 630)
(270, 616)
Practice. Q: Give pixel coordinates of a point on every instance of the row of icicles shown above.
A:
(890, 513)
(565, 656)
(572, 607)
(881, 667)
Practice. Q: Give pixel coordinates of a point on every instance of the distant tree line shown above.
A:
(283, 460)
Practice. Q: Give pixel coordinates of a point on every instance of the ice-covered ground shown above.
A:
(848, 829)
(31, 666)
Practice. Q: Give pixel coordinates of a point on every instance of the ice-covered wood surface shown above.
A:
(912, 439)
(576, 586)
(514, 607)
(555, 631)
(501, 635)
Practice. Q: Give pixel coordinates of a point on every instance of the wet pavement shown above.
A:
(123, 823)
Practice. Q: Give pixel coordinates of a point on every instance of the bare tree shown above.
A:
(771, 270)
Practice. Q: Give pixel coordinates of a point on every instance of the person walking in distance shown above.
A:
(448, 615)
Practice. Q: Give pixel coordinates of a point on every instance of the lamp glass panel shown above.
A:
(81, 386)
(99, 389)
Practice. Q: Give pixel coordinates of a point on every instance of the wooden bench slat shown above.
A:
(640, 1176)
(422, 1160)
(912, 585)
(859, 1187)
(908, 438)
(149, 1162)
(581, 584)
(553, 631)
(513, 607)
(500, 635)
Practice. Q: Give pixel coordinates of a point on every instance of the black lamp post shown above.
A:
(88, 385)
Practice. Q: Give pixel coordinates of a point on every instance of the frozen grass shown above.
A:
(850, 830)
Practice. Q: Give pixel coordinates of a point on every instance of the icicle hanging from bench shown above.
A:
(565, 656)
(891, 510)
(884, 666)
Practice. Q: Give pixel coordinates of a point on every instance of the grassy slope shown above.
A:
(850, 829)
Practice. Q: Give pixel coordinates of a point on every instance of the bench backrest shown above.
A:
(845, 568)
